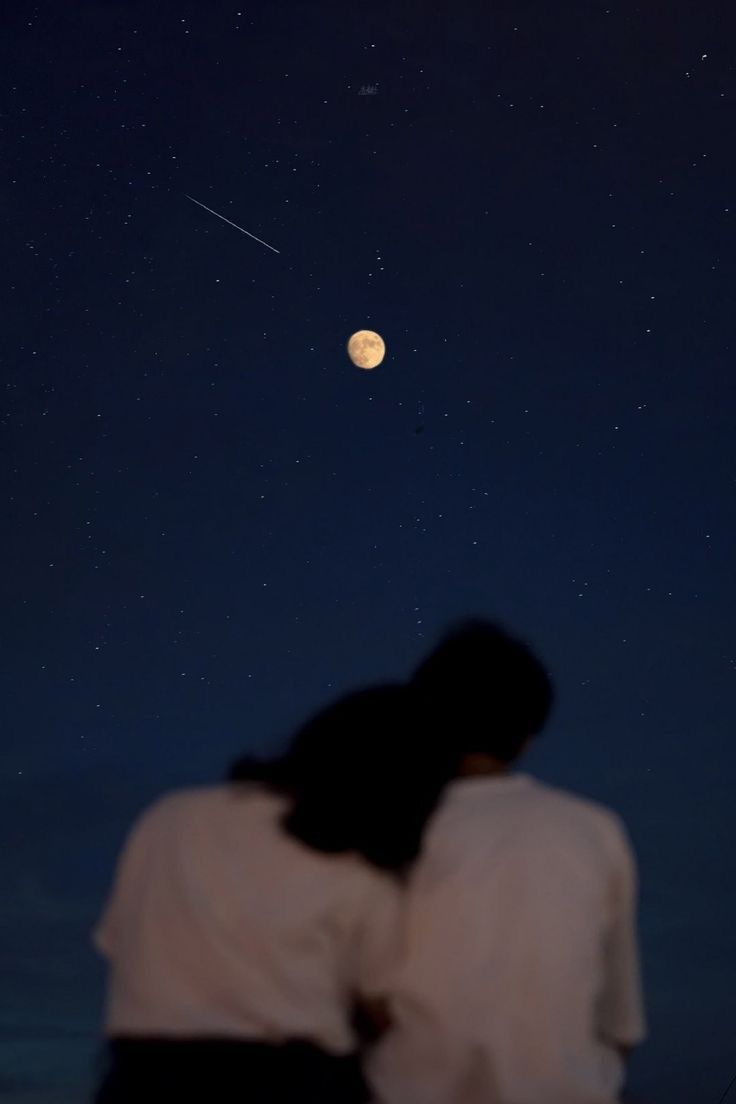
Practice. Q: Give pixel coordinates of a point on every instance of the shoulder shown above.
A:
(375, 897)
(171, 805)
(346, 876)
(583, 814)
(376, 884)
(574, 804)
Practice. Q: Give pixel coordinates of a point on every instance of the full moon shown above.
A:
(366, 349)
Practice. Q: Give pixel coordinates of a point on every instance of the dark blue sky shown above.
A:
(213, 522)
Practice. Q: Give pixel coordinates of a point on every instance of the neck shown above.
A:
(478, 763)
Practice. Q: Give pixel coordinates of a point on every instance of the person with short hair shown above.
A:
(520, 981)
(252, 924)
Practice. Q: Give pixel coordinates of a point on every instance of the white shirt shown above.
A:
(219, 923)
(521, 969)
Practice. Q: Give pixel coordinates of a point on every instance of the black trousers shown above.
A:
(227, 1071)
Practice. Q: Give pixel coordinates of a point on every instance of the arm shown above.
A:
(420, 1060)
(427, 1057)
(621, 1010)
(126, 884)
(376, 951)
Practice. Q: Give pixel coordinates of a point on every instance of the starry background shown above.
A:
(213, 522)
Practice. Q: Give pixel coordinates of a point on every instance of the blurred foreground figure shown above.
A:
(250, 924)
(520, 982)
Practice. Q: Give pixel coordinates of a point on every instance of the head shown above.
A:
(360, 775)
(487, 692)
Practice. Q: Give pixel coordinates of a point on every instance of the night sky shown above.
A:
(213, 522)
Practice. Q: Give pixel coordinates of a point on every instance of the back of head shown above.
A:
(486, 690)
(362, 775)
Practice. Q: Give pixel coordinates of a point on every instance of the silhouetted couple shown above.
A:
(386, 912)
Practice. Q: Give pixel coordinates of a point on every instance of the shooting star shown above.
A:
(227, 220)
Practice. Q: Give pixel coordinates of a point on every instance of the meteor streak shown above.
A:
(227, 220)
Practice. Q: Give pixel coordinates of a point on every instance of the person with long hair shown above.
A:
(252, 924)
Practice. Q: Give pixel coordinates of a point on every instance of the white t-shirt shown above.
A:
(219, 923)
(521, 970)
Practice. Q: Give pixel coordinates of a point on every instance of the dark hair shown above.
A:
(362, 774)
(486, 688)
